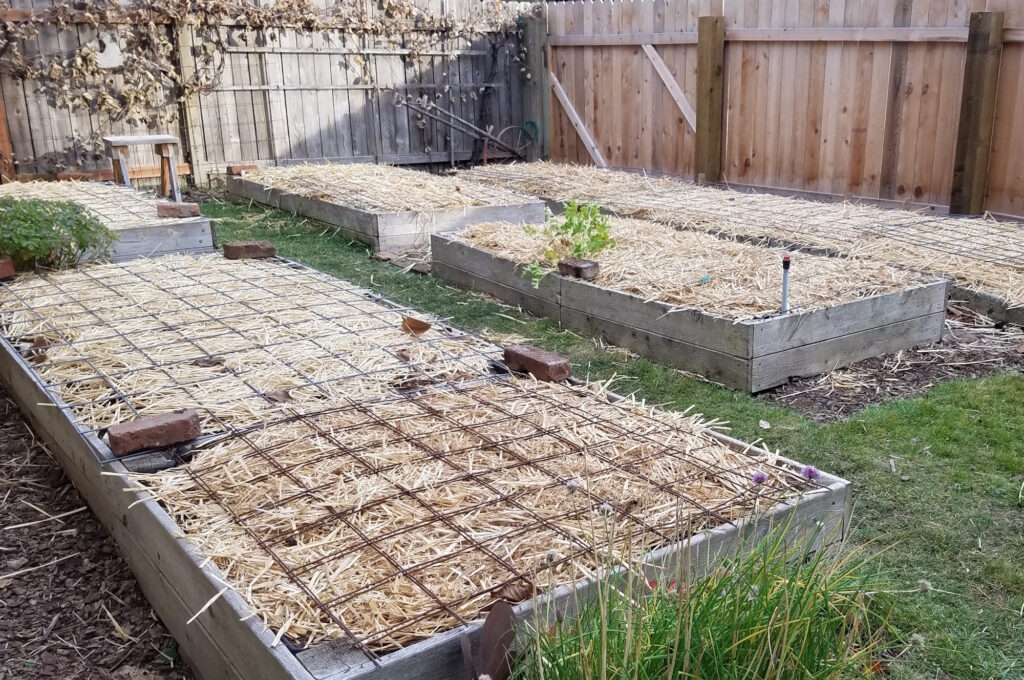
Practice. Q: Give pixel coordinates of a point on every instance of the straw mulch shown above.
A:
(979, 254)
(313, 501)
(381, 188)
(116, 207)
(330, 492)
(694, 270)
(216, 335)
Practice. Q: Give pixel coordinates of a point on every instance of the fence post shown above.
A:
(710, 91)
(536, 95)
(7, 170)
(188, 111)
(977, 113)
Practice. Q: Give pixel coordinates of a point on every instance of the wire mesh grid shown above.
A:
(116, 207)
(232, 339)
(403, 482)
(381, 188)
(394, 520)
(983, 254)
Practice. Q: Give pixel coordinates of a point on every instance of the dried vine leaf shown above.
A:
(415, 326)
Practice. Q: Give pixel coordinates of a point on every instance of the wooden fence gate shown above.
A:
(840, 97)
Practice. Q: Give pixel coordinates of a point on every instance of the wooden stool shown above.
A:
(165, 147)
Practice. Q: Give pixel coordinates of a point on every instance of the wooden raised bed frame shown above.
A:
(165, 237)
(223, 643)
(387, 231)
(751, 355)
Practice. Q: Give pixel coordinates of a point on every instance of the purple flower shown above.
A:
(810, 473)
(572, 485)
(759, 477)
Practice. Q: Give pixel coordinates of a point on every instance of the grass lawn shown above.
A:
(950, 522)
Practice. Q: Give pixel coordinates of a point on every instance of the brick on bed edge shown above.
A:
(153, 432)
(580, 269)
(248, 250)
(542, 364)
(177, 210)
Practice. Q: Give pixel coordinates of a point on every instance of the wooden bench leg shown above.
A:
(169, 185)
(119, 164)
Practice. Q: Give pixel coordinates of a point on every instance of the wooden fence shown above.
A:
(285, 96)
(841, 97)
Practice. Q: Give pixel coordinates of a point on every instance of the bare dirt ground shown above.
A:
(69, 606)
(972, 347)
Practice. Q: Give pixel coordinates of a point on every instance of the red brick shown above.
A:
(6, 269)
(542, 364)
(236, 170)
(580, 269)
(153, 432)
(179, 210)
(248, 250)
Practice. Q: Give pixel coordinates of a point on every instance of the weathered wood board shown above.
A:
(393, 231)
(165, 237)
(750, 355)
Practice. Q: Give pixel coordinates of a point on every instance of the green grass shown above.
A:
(780, 611)
(955, 523)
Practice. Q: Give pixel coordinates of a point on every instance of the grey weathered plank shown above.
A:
(538, 304)
(727, 369)
(185, 236)
(352, 219)
(219, 642)
(687, 325)
(412, 222)
(785, 332)
(991, 306)
(821, 357)
(489, 267)
(253, 191)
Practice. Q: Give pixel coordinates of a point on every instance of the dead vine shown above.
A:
(132, 68)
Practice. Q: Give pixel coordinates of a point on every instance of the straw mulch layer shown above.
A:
(980, 254)
(694, 270)
(116, 207)
(495, 458)
(398, 485)
(225, 337)
(381, 188)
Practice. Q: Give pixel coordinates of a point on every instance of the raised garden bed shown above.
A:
(245, 546)
(387, 208)
(131, 214)
(740, 342)
(983, 257)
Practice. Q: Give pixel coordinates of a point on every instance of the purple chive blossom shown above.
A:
(759, 477)
(572, 485)
(810, 473)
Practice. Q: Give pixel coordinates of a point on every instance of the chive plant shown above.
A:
(777, 610)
